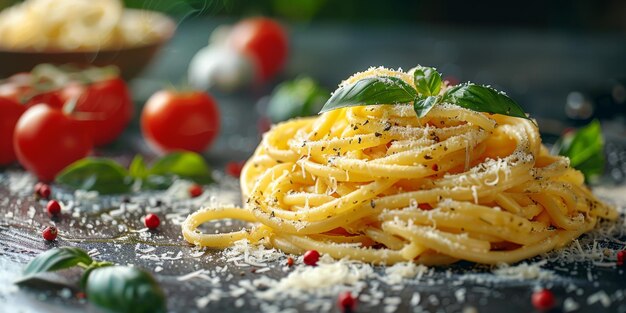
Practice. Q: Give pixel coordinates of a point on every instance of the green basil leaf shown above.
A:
(585, 149)
(186, 165)
(137, 168)
(371, 91)
(158, 182)
(427, 80)
(125, 289)
(299, 97)
(483, 99)
(101, 175)
(57, 259)
(423, 106)
(93, 266)
(44, 283)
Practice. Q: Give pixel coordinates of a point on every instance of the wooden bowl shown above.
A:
(130, 60)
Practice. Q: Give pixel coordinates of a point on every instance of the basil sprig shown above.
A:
(108, 177)
(427, 81)
(125, 289)
(585, 149)
(482, 99)
(424, 94)
(371, 91)
(102, 175)
(57, 259)
(113, 288)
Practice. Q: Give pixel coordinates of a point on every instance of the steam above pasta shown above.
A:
(378, 184)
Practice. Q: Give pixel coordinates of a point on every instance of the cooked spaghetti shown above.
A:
(78, 25)
(378, 184)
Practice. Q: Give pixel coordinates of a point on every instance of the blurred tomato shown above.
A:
(187, 120)
(10, 112)
(264, 40)
(21, 89)
(46, 141)
(104, 107)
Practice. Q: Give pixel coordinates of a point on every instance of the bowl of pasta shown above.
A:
(80, 32)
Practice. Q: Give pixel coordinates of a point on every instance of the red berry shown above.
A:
(289, 261)
(195, 190)
(42, 190)
(543, 299)
(152, 221)
(53, 207)
(346, 302)
(38, 187)
(311, 257)
(621, 257)
(50, 233)
(234, 168)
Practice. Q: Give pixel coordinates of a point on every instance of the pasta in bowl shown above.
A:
(381, 181)
(83, 32)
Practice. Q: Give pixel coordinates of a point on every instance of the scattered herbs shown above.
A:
(108, 177)
(585, 149)
(424, 94)
(113, 288)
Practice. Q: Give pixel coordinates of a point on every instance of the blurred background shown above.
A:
(563, 61)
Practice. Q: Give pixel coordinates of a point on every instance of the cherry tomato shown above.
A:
(46, 141)
(264, 40)
(10, 112)
(180, 120)
(22, 88)
(105, 108)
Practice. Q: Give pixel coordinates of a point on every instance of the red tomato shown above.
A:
(180, 120)
(46, 141)
(27, 95)
(10, 112)
(264, 40)
(105, 108)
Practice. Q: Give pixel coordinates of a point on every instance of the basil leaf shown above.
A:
(483, 99)
(585, 149)
(158, 182)
(44, 283)
(300, 97)
(423, 106)
(427, 80)
(101, 175)
(186, 165)
(57, 259)
(371, 91)
(137, 168)
(125, 289)
(93, 266)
